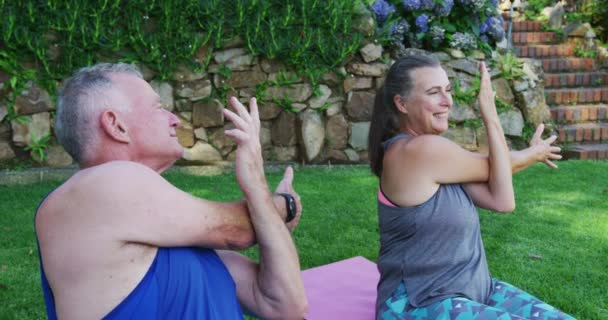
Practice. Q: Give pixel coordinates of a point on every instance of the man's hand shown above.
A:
(543, 149)
(286, 186)
(248, 164)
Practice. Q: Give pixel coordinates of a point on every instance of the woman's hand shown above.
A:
(487, 105)
(542, 148)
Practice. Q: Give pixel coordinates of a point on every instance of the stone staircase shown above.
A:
(576, 90)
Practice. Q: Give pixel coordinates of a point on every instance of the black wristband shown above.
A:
(290, 204)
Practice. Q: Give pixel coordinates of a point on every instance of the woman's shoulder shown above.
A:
(421, 146)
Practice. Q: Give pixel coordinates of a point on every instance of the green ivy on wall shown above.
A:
(55, 38)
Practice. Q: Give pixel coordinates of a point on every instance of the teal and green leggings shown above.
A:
(505, 303)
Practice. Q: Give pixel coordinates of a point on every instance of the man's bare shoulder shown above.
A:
(115, 173)
(94, 187)
(112, 170)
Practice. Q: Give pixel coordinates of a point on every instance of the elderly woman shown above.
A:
(432, 261)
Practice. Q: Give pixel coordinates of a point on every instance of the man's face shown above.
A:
(151, 128)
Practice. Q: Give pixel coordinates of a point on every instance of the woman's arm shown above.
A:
(497, 194)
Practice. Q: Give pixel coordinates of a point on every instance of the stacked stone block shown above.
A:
(300, 123)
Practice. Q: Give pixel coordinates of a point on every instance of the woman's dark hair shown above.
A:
(385, 117)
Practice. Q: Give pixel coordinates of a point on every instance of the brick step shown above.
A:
(522, 26)
(558, 65)
(583, 132)
(544, 50)
(534, 37)
(579, 113)
(576, 95)
(586, 152)
(576, 79)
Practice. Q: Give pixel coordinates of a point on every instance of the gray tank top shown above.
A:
(435, 248)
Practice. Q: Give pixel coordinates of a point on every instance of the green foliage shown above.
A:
(16, 164)
(16, 84)
(510, 66)
(38, 147)
(528, 131)
(323, 107)
(577, 17)
(559, 32)
(62, 36)
(597, 11)
(468, 97)
(534, 8)
(502, 106)
(285, 103)
(283, 79)
(582, 52)
(224, 71)
(473, 123)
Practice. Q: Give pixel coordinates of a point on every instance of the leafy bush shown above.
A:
(597, 11)
(534, 8)
(510, 66)
(439, 24)
(62, 36)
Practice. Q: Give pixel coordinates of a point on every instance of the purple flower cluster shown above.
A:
(399, 29)
(444, 8)
(475, 4)
(463, 41)
(411, 5)
(437, 34)
(382, 10)
(427, 4)
(484, 27)
(422, 23)
(493, 28)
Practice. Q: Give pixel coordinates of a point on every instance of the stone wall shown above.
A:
(329, 123)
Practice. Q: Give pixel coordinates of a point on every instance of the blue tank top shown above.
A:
(181, 283)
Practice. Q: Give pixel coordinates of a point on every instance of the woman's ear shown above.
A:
(399, 103)
(114, 127)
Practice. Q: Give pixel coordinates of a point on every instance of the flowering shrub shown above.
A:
(438, 24)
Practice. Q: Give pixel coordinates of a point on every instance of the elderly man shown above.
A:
(118, 241)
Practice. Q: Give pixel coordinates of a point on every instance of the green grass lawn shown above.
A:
(555, 245)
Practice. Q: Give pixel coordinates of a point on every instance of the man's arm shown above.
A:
(273, 289)
(140, 206)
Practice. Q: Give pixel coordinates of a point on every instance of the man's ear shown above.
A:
(399, 103)
(114, 127)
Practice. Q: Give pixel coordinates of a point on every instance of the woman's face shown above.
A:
(429, 102)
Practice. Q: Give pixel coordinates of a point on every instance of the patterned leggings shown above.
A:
(505, 303)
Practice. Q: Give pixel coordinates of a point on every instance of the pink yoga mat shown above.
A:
(342, 290)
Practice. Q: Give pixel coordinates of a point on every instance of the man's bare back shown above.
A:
(102, 269)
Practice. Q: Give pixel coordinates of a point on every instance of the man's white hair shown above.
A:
(82, 99)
